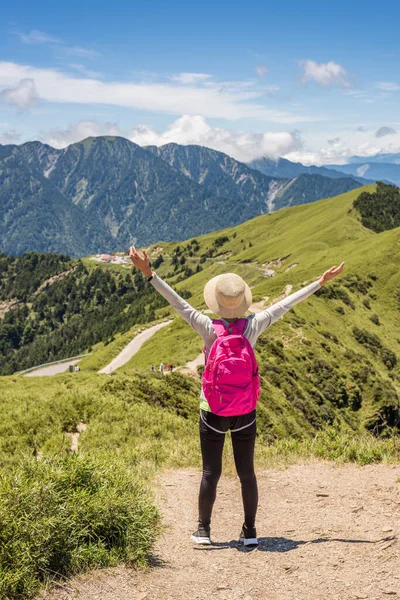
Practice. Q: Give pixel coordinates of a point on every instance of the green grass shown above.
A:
(63, 515)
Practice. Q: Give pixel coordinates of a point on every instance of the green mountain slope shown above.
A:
(128, 191)
(226, 177)
(333, 358)
(33, 212)
(335, 355)
(312, 187)
(221, 175)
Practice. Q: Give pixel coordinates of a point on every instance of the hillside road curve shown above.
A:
(133, 347)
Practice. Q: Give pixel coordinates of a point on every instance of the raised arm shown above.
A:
(264, 319)
(200, 323)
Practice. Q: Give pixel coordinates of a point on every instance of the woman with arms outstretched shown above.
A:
(230, 381)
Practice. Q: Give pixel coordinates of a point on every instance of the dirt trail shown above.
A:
(326, 532)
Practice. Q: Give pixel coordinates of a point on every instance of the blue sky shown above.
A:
(312, 81)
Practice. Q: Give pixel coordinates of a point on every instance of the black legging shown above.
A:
(212, 444)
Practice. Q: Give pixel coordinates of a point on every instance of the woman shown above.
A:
(228, 296)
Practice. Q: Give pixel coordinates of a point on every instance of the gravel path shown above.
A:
(326, 532)
(133, 347)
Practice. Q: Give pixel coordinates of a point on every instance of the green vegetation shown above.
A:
(330, 373)
(314, 187)
(54, 319)
(65, 514)
(380, 210)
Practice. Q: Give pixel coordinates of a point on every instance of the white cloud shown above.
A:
(83, 52)
(388, 86)
(352, 143)
(187, 78)
(244, 146)
(325, 74)
(59, 138)
(9, 137)
(84, 71)
(38, 37)
(168, 98)
(23, 95)
(261, 71)
(382, 131)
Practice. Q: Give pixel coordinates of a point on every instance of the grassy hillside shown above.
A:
(335, 355)
(54, 307)
(330, 378)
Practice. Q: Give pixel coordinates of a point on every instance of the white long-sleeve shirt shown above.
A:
(256, 323)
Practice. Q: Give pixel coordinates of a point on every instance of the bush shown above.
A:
(66, 514)
(159, 260)
(389, 358)
(367, 339)
(366, 303)
(335, 292)
(355, 283)
(375, 319)
(220, 241)
(380, 210)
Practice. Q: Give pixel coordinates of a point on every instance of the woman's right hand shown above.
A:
(141, 262)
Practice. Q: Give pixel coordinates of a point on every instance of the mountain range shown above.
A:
(380, 167)
(376, 170)
(107, 192)
(281, 167)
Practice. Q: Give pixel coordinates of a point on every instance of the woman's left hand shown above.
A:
(331, 273)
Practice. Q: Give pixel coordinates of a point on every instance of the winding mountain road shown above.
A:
(55, 369)
(133, 347)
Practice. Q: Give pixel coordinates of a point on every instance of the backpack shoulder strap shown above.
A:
(240, 326)
(236, 328)
(219, 327)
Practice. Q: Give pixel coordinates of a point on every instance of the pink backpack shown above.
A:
(231, 382)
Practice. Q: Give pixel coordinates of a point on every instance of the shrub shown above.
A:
(159, 260)
(296, 320)
(356, 284)
(330, 336)
(375, 319)
(366, 338)
(66, 514)
(389, 358)
(335, 292)
(366, 303)
(220, 241)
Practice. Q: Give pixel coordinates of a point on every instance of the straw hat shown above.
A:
(227, 295)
